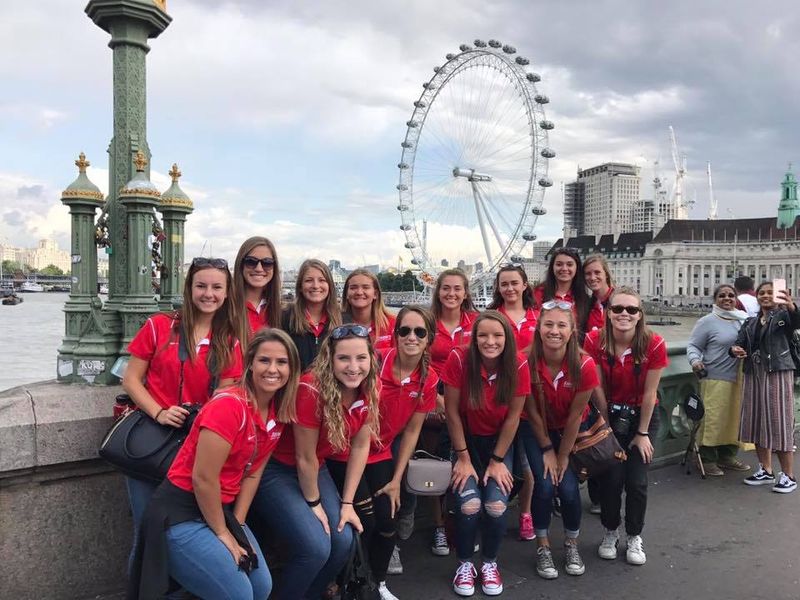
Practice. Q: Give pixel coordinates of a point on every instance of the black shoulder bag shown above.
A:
(142, 448)
(359, 583)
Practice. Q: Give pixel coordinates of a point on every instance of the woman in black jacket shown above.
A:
(768, 391)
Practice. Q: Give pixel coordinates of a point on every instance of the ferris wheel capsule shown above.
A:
(406, 145)
(420, 104)
(402, 187)
(449, 56)
(495, 43)
(541, 99)
(545, 182)
(410, 245)
(533, 77)
(436, 69)
(548, 152)
(412, 124)
(480, 44)
(402, 166)
(529, 237)
(521, 60)
(405, 227)
(539, 210)
(509, 49)
(465, 47)
(547, 125)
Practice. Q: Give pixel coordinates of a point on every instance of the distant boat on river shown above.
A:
(31, 286)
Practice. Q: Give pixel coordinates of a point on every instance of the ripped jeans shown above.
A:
(481, 505)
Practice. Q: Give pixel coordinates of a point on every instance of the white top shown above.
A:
(750, 304)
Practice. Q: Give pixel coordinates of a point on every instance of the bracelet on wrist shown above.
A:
(459, 450)
(313, 503)
(546, 448)
(158, 414)
(496, 458)
(350, 503)
(643, 433)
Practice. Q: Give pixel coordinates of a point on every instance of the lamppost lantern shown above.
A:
(175, 205)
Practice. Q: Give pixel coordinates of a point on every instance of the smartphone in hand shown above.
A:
(778, 285)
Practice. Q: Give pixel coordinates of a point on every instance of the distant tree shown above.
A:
(11, 266)
(51, 270)
(29, 269)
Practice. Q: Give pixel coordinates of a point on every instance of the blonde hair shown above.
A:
(285, 397)
(330, 392)
(379, 315)
(603, 263)
(297, 318)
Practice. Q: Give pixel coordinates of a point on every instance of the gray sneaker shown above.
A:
(395, 566)
(545, 567)
(608, 547)
(574, 564)
(405, 526)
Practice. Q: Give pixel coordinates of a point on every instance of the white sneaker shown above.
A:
(440, 547)
(384, 592)
(608, 547)
(635, 554)
(785, 485)
(395, 566)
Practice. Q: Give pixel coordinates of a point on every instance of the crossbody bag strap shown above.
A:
(183, 355)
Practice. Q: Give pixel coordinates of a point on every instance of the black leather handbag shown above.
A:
(359, 583)
(142, 448)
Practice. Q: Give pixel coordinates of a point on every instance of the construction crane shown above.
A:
(712, 201)
(677, 200)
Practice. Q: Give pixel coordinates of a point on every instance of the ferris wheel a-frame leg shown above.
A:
(495, 230)
(481, 222)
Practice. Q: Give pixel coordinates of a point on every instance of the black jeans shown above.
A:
(630, 476)
(375, 512)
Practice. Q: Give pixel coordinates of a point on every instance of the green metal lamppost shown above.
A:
(174, 207)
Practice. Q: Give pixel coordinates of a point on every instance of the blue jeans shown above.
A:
(202, 565)
(139, 494)
(315, 557)
(544, 490)
(477, 504)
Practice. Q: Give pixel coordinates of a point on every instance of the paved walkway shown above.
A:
(713, 539)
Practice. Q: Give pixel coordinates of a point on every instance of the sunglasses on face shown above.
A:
(251, 262)
(618, 309)
(344, 331)
(217, 263)
(551, 304)
(405, 331)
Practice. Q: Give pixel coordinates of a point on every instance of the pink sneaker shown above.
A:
(464, 581)
(526, 527)
(491, 582)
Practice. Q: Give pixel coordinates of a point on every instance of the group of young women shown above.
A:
(310, 423)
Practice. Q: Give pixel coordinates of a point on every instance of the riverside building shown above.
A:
(681, 263)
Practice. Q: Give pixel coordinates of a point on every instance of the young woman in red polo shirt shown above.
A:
(407, 394)
(485, 389)
(564, 281)
(514, 298)
(630, 360)
(156, 378)
(362, 303)
(563, 378)
(257, 286)
(315, 310)
(337, 415)
(454, 312)
(203, 503)
(597, 276)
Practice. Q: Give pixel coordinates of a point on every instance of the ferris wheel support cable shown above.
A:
(481, 197)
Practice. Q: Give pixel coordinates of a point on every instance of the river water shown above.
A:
(31, 332)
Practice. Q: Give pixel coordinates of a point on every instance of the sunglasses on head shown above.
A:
(344, 331)
(618, 309)
(217, 263)
(551, 304)
(405, 331)
(252, 262)
(512, 265)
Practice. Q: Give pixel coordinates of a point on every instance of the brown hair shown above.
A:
(577, 287)
(430, 326)
(436, 304)
(573, 354)
(379, 316)
(641, 336)
(506, 382)
(284, 399)
(527, 294)
(330, 392)
(603, 263)
(297, 318)
(271, 292)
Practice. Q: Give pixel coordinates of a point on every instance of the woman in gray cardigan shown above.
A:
(720, 388)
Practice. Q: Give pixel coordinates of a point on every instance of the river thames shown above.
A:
(31, 332)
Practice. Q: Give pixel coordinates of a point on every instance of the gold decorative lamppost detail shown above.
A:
(175, 205)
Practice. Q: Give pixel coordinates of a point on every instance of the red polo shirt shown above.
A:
(490, 416)
(157, 343)
(445, 341)
(524, 330)
(399, 400)
(309, 415)
(597, 313)
(234, 419)
(559, 391)
(319, 327)
(626, 386)
(385, 340)
(257, 316)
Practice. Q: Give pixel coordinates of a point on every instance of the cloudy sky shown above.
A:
(286, 117)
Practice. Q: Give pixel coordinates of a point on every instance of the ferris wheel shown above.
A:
(473, 169)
